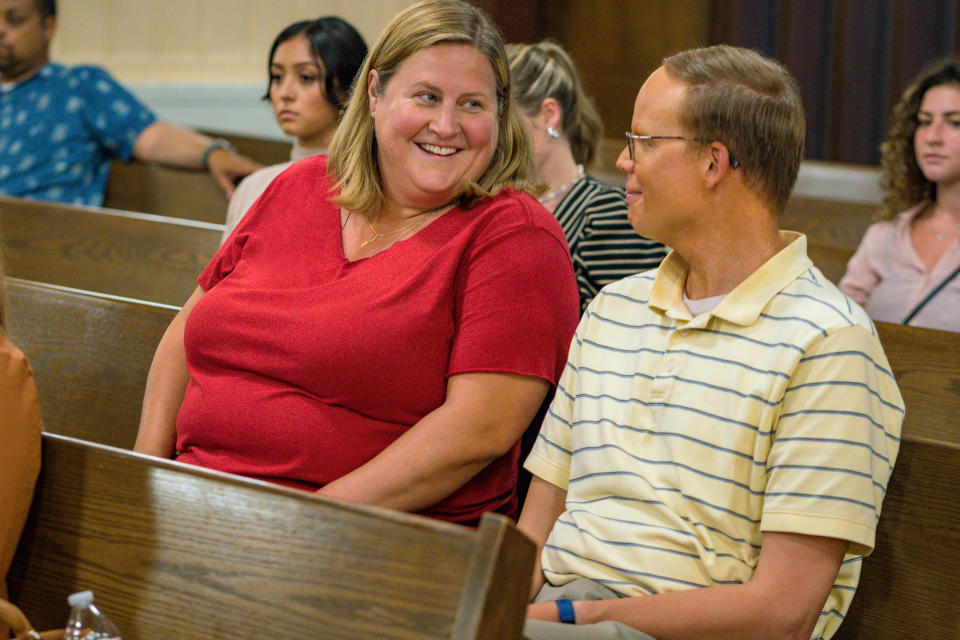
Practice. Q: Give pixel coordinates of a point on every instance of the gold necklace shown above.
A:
(408, 228)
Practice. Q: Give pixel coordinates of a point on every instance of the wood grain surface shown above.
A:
(909, 584)
(120, 253)
(172, 551)
(926, 364)
(180, 193)
(90, 356)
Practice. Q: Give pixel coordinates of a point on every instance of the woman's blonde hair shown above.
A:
(901, 178)
(544, 70)
(353, 153)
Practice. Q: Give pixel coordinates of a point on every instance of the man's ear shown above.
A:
(717, 163)
(372, 95)
(49, 27)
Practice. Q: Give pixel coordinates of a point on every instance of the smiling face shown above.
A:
(937, 139)
(24, 39)
(436, 125)
(662, 180)
(297, 94)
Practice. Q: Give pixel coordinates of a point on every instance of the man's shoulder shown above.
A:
(624, 299)
(813, 297)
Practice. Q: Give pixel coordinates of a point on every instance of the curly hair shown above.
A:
(901, 179)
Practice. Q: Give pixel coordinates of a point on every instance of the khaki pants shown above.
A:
(579, 589)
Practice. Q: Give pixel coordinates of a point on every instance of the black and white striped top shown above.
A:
(603, 245)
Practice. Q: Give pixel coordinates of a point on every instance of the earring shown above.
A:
(553, 133)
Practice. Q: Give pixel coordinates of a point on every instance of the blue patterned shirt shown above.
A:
(59, 130)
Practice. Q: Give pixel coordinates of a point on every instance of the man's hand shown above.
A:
(228, 167)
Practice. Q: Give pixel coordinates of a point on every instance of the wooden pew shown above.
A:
(172, 551)
(90, 355)
(121, 253)
(179, 193)
(909, 584)
(926, 363)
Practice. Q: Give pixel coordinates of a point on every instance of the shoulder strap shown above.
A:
(930, 295)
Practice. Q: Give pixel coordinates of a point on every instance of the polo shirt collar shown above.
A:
(744, 304)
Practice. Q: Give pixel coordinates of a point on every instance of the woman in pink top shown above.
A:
(907, 268)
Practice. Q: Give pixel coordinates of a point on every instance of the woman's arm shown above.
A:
(544, 504)
(482, 417)
(166, 384)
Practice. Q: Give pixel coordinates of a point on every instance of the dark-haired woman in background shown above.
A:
(311, 66)
(566, 130)
(19, 444)
(907, 267)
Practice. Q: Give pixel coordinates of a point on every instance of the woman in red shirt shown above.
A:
(385, 322)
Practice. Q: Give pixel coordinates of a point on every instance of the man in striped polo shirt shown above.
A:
(715, 459)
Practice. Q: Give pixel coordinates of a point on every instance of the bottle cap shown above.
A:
(80, 600)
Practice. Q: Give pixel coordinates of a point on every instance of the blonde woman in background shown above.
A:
(19, 444)
(311, 68)
(907, 267)
(566, 130)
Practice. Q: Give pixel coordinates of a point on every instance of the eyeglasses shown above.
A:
(632, 139)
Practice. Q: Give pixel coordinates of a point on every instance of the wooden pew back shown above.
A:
(926, 363)
(172, 551)
(120, 253)
(90, 355)
(909, 584)
(179, 193)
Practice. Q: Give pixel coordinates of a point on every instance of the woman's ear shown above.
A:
(372, 95)
(550, 114)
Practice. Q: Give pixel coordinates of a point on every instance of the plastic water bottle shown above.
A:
(86, 622)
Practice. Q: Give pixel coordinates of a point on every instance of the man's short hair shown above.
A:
(46, 7)
(751, 104)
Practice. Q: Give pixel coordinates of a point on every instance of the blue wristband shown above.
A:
(565, 610)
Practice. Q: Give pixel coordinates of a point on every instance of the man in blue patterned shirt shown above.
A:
(60, 126)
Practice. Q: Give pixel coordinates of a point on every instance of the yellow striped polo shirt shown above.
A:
(680, 439)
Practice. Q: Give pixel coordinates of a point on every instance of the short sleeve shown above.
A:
(549, 458)
(835, 441)
(114, 115)
(20, 454)
(516, 304)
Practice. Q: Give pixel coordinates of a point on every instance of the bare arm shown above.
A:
(481, 418)
(169, 144)
(166, 384)
(783, 600)
(544, 504)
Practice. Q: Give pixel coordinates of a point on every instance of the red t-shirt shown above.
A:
(304, 366)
